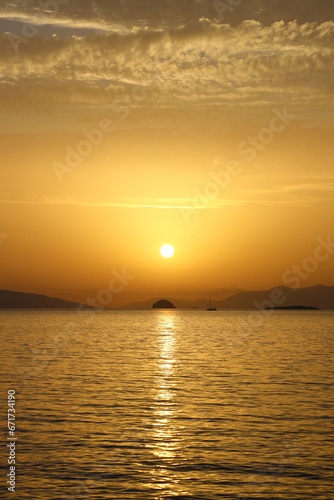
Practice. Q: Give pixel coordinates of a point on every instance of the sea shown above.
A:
(167, 404)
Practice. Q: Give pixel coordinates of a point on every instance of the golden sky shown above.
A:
(196, 123)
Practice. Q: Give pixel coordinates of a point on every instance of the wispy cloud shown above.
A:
(42, 18)
(165, 13)
(303, 194)
(202, 67)
(163, 203)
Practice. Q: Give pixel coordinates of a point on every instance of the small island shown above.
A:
(293, 308)
(163, 304)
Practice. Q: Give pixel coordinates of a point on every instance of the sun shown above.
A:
(167, 251)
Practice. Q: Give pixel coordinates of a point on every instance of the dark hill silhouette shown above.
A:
(163, 304)
(293, 308)
(318, 296)
(20, 300)
(182, 303)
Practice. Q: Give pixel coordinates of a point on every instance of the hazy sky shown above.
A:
(129, 124)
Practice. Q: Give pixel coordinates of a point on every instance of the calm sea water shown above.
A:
(170, 404)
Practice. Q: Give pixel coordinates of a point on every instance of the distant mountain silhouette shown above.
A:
(163, 304)
(320, 296)
(293, 308)
(20, 300)
(181, 303)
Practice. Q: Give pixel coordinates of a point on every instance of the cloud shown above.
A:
(303, 194)
(171, 13)
(203, 66)
(42, 23)
(312, 191)
(162, 203)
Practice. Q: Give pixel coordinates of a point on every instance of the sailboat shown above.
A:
(210, 306)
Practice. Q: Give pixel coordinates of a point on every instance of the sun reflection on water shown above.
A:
(166, 430)
(164, 392)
